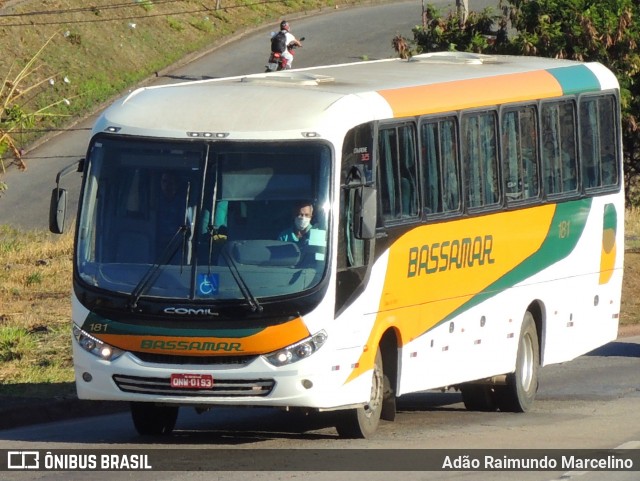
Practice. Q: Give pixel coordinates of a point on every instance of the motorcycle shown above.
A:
(278, 62)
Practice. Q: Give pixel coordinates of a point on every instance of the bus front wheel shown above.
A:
(152, 420)
(520, 390)
(362, 422)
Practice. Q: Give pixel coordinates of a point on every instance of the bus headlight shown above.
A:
(298, 351)
(96, 346)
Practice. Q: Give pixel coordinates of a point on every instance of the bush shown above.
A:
(587, 30)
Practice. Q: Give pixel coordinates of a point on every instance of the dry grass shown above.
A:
(630, 311)
(35, 280)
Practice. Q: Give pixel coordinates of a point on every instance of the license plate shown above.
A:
(191, 381)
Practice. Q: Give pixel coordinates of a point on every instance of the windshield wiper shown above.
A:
(183, 233)
(216, 236)
(244, 288)
(153, 272)
(212, 229)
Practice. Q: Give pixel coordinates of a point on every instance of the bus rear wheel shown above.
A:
(152, 420)
(520, 390)
(362, 422)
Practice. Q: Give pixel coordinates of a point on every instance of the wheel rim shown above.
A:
(526, 363)
(376, 393)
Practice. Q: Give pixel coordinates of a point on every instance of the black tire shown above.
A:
(388, 411)
(479, 397)
(152, 420)
(362, 422)
(520, 390)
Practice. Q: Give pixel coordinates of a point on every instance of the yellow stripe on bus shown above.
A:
(449, 96)
(609, 250)
(433, 270)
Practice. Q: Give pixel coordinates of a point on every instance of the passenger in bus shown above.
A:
(300, 228)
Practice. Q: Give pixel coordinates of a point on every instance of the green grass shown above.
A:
(15, 344)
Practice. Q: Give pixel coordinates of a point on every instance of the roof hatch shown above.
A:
(453, 58)
(288, 78)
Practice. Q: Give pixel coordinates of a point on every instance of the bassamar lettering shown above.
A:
(450, 254)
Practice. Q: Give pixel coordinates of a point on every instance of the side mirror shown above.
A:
(58, 204)
(365, 212)
(57, 210)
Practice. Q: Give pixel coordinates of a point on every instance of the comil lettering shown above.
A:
(184, 311)
(450, 254)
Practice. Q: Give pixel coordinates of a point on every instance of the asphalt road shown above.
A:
(332, 36)
(589, 403)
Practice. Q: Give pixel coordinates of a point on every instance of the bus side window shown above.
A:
(590, 144)
(387, 173)
(480, 158)
(598, 154)
(432, 168)
(559, 156)
(440, 166)
(398, 176)
(520, 153)
(450, 166)
(408, 165)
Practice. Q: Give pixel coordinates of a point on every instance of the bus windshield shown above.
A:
(203, 220)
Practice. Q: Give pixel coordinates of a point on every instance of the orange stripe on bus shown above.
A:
(268, 340)
(449, 96)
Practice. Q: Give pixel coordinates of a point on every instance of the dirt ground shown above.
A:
(630, 311)
(628, 330)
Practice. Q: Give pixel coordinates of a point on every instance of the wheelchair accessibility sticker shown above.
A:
(208, 284)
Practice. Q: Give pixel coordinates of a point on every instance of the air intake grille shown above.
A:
(197, 360)
(221, 387)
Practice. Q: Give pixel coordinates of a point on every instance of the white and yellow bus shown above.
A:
(467, 229)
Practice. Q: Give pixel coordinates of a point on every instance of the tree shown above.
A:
(18, 111)
(475, 34)
(463, 10)
(605, 31)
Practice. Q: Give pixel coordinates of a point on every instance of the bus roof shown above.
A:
(322, 99)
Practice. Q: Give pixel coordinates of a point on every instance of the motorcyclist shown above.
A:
(290, 40)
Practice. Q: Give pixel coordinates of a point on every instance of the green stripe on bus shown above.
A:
(576, 79)
(564, 233)
(109, 326)
(610, 217)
